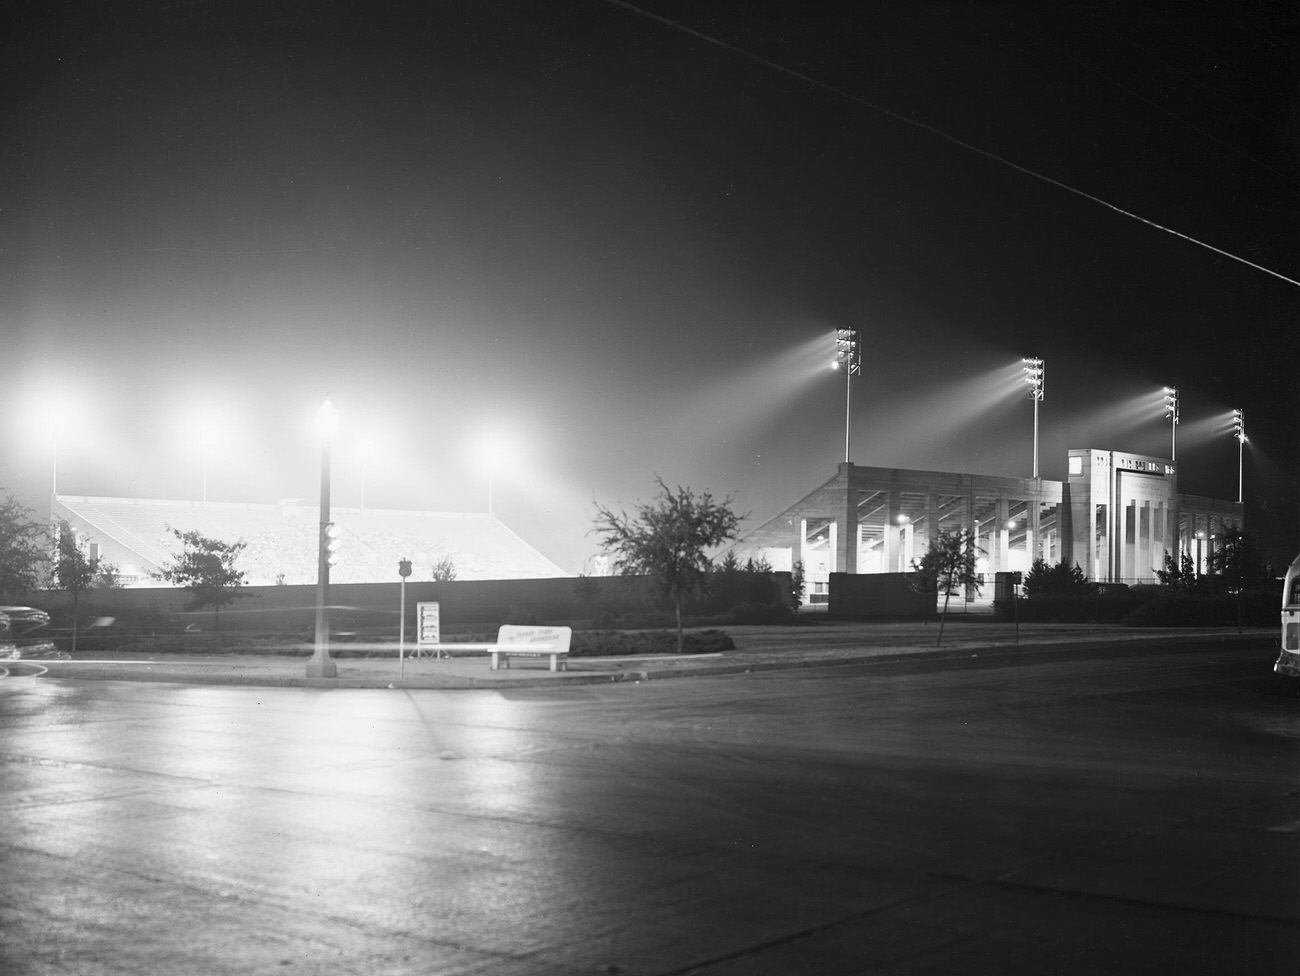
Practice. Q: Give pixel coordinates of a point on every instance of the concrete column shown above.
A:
(1001, 561)
(890, 544)
(849, 537)
(1032, 540)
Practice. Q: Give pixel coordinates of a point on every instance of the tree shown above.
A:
(1063, 579)
(24, 549)
(206, 567)
(74, 571)
(667, 539)
(1239, 564)
(1178, 575)
(797, 585)
(1238, 561)
(948, 567)
(444, 570)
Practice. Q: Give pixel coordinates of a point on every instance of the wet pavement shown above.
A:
(859, 806)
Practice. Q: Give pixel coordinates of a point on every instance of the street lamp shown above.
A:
(321, 665)
(848, 357)
(1171, 413)
(1034, 376)
(1239, 432)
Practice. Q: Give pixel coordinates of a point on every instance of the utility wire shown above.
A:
(866, 103)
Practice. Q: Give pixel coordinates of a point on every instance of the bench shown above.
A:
(516, 641)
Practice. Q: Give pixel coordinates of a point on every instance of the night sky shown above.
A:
(618, 237)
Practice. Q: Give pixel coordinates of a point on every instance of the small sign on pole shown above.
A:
(427, 627)
(403, 570)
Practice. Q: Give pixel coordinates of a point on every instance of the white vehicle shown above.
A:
(1288, 662)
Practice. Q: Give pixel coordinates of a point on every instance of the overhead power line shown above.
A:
(946, 136)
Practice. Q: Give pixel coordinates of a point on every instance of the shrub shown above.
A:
(616, 643)
(522, 616)
(762, 613)
(1100, 608)
(1258, 609)
(1063, 579)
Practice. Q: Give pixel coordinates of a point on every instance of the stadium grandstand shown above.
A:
(135, 534)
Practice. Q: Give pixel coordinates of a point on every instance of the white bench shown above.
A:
(516, 641)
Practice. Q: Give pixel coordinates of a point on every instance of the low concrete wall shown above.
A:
(877, 595)
(363, 606)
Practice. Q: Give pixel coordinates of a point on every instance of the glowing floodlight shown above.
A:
(1239, 432)
(848, 351)
(848, 357)
(1035, 373)
(1171, 414)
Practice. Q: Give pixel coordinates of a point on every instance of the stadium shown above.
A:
(1118, 516)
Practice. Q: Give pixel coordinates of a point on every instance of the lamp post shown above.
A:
(1239, 432)
(1035, 373)
(848, 357)
(1171, 412)
(321, 664)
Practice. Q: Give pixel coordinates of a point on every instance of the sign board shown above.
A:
(427, 623)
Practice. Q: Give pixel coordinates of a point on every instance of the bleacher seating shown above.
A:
(136, 534)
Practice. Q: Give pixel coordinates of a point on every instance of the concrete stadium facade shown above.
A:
(1116, 516)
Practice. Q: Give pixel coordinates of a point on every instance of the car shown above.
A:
(17, 622)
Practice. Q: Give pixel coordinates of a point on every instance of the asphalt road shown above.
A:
(1127, 809)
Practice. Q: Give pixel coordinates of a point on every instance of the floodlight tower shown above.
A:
(1239, 432)
(848, 357)
(1035, 373)
(1171, 412)
(321, 664)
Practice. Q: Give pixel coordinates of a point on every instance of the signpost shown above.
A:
(403, 570)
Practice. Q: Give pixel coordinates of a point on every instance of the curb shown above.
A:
(986, 653)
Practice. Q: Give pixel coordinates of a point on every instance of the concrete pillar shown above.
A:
(890, 544)
(850, 536)
(1001, 561)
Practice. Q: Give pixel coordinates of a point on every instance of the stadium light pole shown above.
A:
(490, 451)
(321, 664)
(1171, 412)
(1035, 373)
(848, 357)
(1239, 432)
(207, 434)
